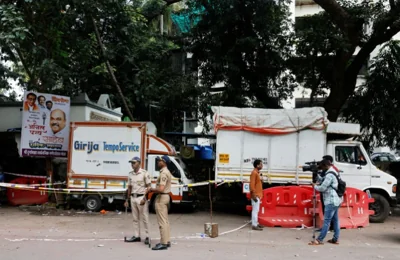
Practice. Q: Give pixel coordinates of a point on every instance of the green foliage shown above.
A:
(377, 102)
(245, 46)
(326, 44)
(53, 48)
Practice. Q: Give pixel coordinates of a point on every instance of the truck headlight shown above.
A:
(394, 188)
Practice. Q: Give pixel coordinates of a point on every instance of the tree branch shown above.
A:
(376, 39)
(392, 4)
(155, 14)
(109, 69)
(24, 64)
(170, 2)
(341, 18)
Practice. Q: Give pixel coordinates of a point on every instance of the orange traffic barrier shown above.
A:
(289, 207)
(353, 212)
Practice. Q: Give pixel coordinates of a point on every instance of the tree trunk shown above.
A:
(110, 71)
(335, 101)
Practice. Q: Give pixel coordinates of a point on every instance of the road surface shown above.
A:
(33, 234)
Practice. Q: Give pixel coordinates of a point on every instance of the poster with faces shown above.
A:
(45, 125)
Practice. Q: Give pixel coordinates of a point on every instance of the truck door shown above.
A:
(351, 159)
(152, 168)
(174, 168)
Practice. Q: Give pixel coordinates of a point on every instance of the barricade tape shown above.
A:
(44, 184)
(61, 190)
(85, 191)
(25, 175)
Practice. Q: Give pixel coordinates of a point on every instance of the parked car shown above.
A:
(383, 157)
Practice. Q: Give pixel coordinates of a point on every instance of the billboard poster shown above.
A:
(45, 125)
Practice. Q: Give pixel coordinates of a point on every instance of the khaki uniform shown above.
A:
(139, 182)
(162, 202)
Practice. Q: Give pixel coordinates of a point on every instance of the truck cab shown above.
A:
(180, 178)
(358, 170)
(180, 194)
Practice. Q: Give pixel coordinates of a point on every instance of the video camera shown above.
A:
(312, 167)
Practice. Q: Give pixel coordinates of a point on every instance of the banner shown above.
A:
(107, 152)
(45, 125)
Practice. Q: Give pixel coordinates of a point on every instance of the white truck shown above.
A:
(284, 139)
(99, 154)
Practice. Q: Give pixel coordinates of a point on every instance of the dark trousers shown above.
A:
(323, 210)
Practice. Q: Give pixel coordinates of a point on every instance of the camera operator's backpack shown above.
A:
(341, 189)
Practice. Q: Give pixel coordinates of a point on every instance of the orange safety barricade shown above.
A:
(286, 206)
(353, 212)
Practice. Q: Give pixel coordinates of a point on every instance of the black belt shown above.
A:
(135, 195)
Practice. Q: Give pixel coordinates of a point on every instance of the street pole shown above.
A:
(184, 127)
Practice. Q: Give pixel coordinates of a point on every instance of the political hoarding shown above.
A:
(45, 125)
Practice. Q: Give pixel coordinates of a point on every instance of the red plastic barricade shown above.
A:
(289, 207)
(354, 211)
(17, 197)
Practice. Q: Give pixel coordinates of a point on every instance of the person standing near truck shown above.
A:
(139, 183)
(330, 159)
(162, 190)
(256, 194)
(328, 186)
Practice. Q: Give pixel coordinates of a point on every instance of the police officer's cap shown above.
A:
(163, 158)
(135, 159)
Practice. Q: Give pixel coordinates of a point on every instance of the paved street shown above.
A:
(78, 235)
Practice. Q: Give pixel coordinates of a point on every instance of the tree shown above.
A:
(53, 48)
(338, 32)
(244, 45)
(378, 100)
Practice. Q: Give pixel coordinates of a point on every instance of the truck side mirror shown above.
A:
(362, 163)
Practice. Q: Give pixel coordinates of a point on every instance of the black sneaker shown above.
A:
(146, 241)
(160, 247)
(168, 244)
(133, 239)
(256, 228)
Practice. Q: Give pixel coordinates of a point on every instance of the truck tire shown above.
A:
(152, 206)
(92, 203)
(381, 207)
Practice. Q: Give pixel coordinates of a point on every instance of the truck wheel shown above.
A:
(381, 207)
(92, 203)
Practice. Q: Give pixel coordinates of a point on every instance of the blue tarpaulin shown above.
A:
(186, 20)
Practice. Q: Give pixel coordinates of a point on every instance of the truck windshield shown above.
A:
(184, 167)
(174, 170)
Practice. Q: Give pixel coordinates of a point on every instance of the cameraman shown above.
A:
(330, 159)
(322, 175)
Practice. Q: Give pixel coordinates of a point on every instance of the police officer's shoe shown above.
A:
(160, 247)
(168, 244)
(146, 241)
(133, 239)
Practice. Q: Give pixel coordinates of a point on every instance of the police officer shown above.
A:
(139, 183)
(162, 191)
